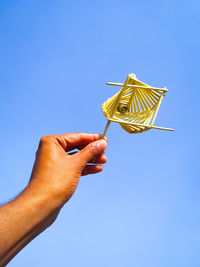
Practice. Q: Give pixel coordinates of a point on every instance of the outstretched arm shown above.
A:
(54, 179)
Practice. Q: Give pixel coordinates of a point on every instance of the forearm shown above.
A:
(21, 220)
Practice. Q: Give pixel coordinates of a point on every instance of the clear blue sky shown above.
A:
(55, 58)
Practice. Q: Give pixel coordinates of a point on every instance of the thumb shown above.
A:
(92, 150)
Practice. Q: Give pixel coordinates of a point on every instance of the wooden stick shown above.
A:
(162, 128)
(105, 130)
(142, 125)
(138, 86)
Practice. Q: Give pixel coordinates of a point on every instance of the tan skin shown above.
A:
(53, 181)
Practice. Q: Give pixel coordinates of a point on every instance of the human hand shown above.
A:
(56, 174)
(54, 179)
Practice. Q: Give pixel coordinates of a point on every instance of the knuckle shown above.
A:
(75, 134)
(93, 150)
(45, 139)
(80, 135)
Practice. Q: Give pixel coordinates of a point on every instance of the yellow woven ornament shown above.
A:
(135, 106)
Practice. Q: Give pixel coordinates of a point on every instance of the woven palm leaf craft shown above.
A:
(135, 106)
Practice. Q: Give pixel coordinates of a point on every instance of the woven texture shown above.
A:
(135, 108)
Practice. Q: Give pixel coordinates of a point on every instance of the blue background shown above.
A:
(55, 58)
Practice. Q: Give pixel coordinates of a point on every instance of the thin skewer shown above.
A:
(143, 125)
(105, 130)
(134, 124)
(162, 128)
(138, 86)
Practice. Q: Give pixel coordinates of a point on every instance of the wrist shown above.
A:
(43, 200)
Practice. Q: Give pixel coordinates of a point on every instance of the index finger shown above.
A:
(71, 141)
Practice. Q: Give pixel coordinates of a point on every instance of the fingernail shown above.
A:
(101, 145)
